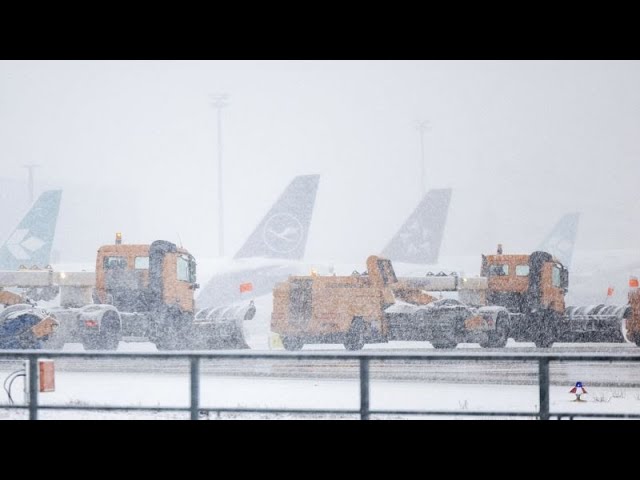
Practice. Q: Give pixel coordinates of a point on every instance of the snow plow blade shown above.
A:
(223, 327)
(25, 326)
(597, 323)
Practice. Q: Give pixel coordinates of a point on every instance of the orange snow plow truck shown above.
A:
(376, 307)
(139, 293)
(517, 296)
(633, 324)
(533, 288)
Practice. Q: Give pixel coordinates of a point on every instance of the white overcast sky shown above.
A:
(133, 144)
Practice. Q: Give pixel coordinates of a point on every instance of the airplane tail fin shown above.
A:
(419, 239)
(562, 238)
(282, 233)
(30, 243)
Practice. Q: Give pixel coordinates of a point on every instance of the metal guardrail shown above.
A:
(364, 359)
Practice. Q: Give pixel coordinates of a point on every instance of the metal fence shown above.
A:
(363, 358)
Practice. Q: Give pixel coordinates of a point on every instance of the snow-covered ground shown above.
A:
(170, 390)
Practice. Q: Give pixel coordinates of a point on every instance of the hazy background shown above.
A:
(133, 144)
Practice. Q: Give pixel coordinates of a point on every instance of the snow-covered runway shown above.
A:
(155, 390)
(462, 371)
(396, 385)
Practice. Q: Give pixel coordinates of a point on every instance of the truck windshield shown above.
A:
(142, 263)
(556, 277)
(498, 270)
(386, 271)
(113, 263)
(186, 269)
(192, 269)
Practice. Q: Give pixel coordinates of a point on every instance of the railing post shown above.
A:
(543, 383)
(195, 387)
(364, 388)
(33, 387)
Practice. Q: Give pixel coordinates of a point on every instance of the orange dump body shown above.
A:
(316, 306)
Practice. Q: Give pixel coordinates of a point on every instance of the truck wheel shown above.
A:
(164, 343)
(175, 330)
(55, 342)
(545, 339)
(171, 339)
(545, 329)
(355, 336)
(292, 343)
(497, 338)
(543, 342)
(444, 344)
(109, 336)
(235, 342)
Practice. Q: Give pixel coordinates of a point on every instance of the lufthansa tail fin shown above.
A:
(30, 243)
(283, 231)
(419, 239)
(561, 240)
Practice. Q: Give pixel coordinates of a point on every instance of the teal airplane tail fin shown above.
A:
(30, 243)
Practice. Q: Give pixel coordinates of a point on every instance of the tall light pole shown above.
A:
(422, 127)
(30, 167)
(219, 101)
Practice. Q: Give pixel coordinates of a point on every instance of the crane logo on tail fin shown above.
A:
(283, 233)
(416, 239)
(22, 247)
(419, 238)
